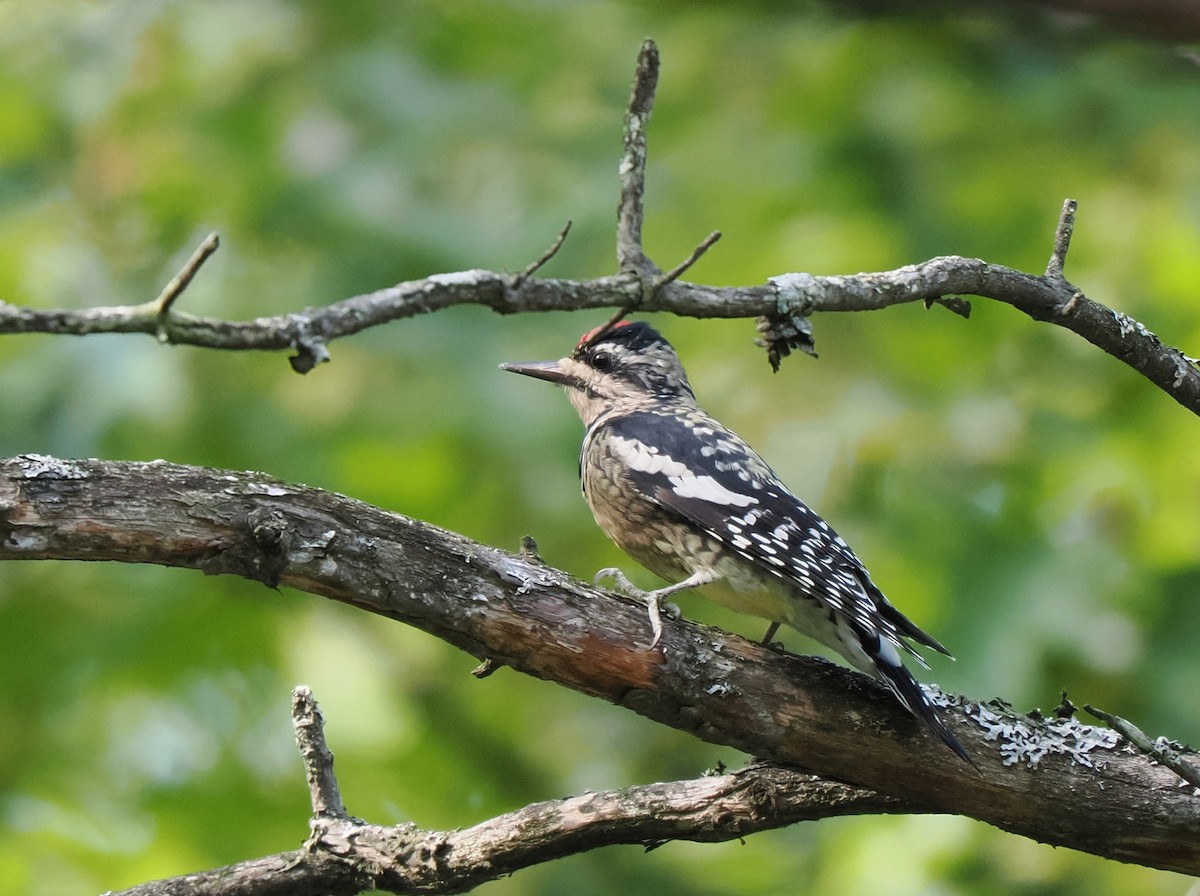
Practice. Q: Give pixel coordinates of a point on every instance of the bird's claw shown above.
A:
(653, 606)
(656, 627)
(621, 582)
(657, 609)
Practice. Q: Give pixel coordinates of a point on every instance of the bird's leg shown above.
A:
(771, 630)
(653, 599)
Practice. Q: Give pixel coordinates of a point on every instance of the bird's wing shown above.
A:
(725, 488)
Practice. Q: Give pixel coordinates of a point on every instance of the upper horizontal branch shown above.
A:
(538, 620)
(1045, 298)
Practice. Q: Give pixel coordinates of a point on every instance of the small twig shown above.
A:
(676, 272)
(543, 258)
(486, 668)
(1156, 749)
(1065, 708)
(956, 304)
(180, 281)
(529, 549)
(630, 254)
(1070, 304)
(318, 760)
(605, 328)
(1062, 239)
(630, 213)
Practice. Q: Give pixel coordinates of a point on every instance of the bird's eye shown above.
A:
(602, 361)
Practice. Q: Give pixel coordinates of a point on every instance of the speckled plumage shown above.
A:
(691, 501)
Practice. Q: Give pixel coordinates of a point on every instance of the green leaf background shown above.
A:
(1027, 499)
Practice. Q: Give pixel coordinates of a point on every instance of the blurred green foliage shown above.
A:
(1024, 497)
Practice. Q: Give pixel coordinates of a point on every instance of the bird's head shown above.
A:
(626, 365)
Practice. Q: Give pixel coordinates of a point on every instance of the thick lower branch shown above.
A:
(1086, 791)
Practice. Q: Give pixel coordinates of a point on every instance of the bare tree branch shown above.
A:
(790, 296)
(538, 263)
(783, 306)
(680, 269)
(309, 725)
(1057, 781)
(174, 289)
(1161, 750)
(347, 856)
(1062, 239)
(630, 255)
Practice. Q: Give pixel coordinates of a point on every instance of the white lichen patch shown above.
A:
(27, 541)
(263, 488)
(1024, 739)
(1128, 325)
(461, 278)
(38, 465)
(793, 290)
(525, 576)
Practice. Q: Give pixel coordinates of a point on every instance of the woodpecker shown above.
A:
(691, 501)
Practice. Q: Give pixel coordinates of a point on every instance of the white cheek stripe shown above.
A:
(708, 489)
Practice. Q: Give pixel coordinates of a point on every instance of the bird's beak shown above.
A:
(550, 371)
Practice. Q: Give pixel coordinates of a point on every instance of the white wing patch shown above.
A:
(645, 458)
(684, 482)
(705, 488)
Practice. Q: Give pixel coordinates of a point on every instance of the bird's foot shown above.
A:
(620, 580)
(654, 604)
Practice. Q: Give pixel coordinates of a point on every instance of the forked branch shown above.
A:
(784, 304)
(345, 855)
(1057, 781)
(719, 687)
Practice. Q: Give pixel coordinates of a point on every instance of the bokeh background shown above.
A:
(1027, 499)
